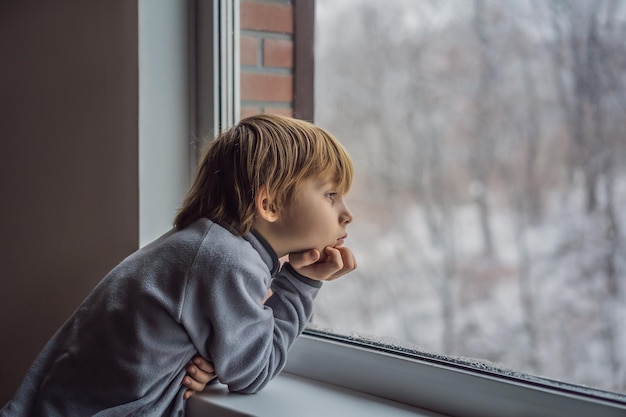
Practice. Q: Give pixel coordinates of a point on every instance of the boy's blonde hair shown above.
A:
(276, 151)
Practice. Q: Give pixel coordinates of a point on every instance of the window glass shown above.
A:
(489, 141)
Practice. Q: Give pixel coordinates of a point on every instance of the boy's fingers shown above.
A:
(348, 263)
(328, 268)
(192, 384)
(332, 263)
(199, 375)
(334, 257)
(203, 364)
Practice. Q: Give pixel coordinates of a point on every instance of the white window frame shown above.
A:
(164, 112)
(215, 76)
(188, 92)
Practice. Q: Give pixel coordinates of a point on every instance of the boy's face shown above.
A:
(318, 217)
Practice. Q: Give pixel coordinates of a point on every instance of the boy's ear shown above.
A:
(265, 206)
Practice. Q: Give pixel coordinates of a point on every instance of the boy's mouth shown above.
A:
(341, 240)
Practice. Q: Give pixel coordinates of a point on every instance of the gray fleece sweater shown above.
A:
(197, 290)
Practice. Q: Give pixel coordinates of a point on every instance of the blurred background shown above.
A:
(489, 140)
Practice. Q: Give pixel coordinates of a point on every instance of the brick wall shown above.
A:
(267, 57)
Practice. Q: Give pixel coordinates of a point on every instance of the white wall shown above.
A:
(164, 138)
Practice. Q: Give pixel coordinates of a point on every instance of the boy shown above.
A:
(269, 187)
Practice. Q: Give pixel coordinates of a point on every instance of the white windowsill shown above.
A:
(324, 377)
(292, 395)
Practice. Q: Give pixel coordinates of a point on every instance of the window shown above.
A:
(409, 91)
(488, 138)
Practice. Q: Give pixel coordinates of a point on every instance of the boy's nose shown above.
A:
(346, 216)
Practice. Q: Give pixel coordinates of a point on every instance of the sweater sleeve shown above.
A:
(247, 341)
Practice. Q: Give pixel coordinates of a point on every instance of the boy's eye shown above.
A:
(331, 195)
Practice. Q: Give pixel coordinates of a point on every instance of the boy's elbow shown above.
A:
(252, 379)
(252, 388)
(246, 391)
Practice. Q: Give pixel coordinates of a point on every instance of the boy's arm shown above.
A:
(247, 341)
(291, 296)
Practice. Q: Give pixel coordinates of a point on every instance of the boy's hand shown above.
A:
(336, 262)
(199, 373)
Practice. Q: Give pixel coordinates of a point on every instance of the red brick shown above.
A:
(279, 111)
(266, 87)
(278, 53)
(270, 17)
(249, 50)
(249, 111)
